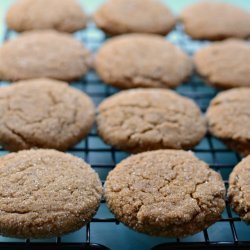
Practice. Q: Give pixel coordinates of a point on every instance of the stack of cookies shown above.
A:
(162, 190)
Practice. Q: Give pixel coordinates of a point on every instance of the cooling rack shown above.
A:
(104, 232)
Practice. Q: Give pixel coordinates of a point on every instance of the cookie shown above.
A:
(37, 54)
(215, 21)
(225, 64)
(239, 191)
(145, 119)
(229, 118)
(43, 113)
(117, 17)
(141, 60)
(61, 15)
(166, 193)
(46, 193)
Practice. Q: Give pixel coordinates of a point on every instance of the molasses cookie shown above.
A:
(46, 193)
(145, 119)
(37, 54)
(43, 113)
(225, 64)
(239, 189)
(61, 15)
(141, 60)
(117, 17)
(215, 21)
(166, 193)
(229, 118)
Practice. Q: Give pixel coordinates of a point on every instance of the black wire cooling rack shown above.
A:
(104, 232)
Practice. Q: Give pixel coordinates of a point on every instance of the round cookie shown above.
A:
(46, 193)
(142, 60)
(43, 113)
(37, 54)
(229, 118)
(215, 21)
(166, 193)
(225, 64)
(145, 119)
(61, 15)
(117, 17)
(239, 189)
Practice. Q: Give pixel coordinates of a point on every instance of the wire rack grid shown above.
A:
(104, 231)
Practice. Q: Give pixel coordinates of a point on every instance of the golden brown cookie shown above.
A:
(117, 17)
(229, 118)
(225, 64)
(61, 15)
(43, 113)
(145, 119)
(167, 193)
(37, 54)
(140, 60)
(215, 21)
(46, 193)
(239, 189)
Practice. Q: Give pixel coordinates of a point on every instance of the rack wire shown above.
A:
(104, 229)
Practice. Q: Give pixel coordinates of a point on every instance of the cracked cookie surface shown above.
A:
(145, 119)
(225, 64)
(43, 113)
(165, 193)
(142, 60)
(46, 193)
(215, 21)
(239, 189)
(129, 16)
(229, 118)
(61, 15)
(43, 53)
